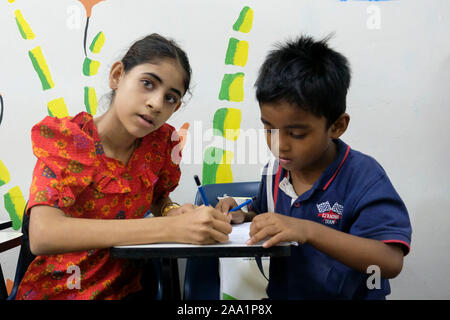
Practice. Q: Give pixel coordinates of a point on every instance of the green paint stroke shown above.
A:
(44, 81)
(90, 67)
(231, 51)
(219, 122)
(15, 205)
(97, 43)
(211, 160)
(227, 297)
(227, 91)
(245, 20)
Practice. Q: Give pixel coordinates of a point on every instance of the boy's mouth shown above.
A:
(284, 160)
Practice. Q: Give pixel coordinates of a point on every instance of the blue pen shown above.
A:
(200, 189)
(242, 204)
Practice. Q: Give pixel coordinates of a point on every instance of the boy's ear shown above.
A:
(115, 74)
(339, 126)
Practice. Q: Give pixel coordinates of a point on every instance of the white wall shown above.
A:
(400, 57)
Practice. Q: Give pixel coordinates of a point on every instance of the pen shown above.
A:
(242, 204)
(200, 189)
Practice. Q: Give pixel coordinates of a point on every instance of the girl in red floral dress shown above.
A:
(95, 179)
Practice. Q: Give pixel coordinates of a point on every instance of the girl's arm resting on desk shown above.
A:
(355, 252)
(51, 232)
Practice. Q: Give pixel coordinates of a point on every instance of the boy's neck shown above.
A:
(304, 179)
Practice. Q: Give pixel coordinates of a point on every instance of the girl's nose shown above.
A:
(155, 102)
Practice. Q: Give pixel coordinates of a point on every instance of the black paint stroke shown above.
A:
(85, 36)
(1, 109)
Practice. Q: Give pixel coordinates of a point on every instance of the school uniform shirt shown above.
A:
(73, 174)
(353, 195)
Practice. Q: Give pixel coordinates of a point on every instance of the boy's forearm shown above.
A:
(356, 252)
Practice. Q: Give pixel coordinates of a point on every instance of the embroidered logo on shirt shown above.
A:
(330, 215)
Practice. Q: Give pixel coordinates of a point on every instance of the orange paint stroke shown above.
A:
(89, 4)
(182, 133)
(9, 286)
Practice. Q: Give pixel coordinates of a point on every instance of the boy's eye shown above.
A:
(297, 135)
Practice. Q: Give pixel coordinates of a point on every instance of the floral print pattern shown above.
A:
(73, 174)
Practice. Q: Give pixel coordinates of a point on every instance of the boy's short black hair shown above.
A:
(306, 73)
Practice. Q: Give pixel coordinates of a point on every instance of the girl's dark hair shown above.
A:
(154, 47)
(308, 74)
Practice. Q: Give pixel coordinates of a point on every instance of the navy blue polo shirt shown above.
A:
(353, 195)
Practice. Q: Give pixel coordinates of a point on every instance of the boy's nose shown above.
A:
(279, 142)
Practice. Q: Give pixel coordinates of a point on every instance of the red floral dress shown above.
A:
(73, 174)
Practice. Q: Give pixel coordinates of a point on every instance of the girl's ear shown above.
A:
(339, 126)
(115, 74)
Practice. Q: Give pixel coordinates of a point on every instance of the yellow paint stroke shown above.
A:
(57, 108)
(90, 100)
(4, 174)
(11, 1)
(236, 89)
(232, 124)
(97, 43)
(90, 67)
(245, 21)
(241, 55)
(23, 26)
(41, 67)
(224, 173)
(15, 205)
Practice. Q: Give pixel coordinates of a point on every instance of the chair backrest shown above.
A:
(25, 256)
(201, 278)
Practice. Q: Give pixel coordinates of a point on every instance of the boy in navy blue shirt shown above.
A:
(337, 203)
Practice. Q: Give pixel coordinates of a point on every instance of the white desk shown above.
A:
(235, 247)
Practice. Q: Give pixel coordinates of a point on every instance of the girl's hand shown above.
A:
(224, 205)
(185, 208)
(278, 228)
(203, 225)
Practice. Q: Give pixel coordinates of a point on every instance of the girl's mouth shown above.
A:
(147, 120)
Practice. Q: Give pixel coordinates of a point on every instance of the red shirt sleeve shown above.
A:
(65, 157)
(170, 173)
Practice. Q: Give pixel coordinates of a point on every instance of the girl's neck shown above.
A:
(113, 136)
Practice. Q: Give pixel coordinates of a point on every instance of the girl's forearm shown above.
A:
(356, 252)
(51, 232)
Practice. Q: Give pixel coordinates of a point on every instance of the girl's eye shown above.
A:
(171, 99)
(147, 84)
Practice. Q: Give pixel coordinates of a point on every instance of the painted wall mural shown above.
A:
(13, 200)
(227, 120)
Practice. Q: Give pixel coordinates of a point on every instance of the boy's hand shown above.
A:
(278, 228)
(224, 205)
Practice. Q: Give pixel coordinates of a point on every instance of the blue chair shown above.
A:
(202, 279)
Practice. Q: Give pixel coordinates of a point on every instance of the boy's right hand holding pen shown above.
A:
(230, 207)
